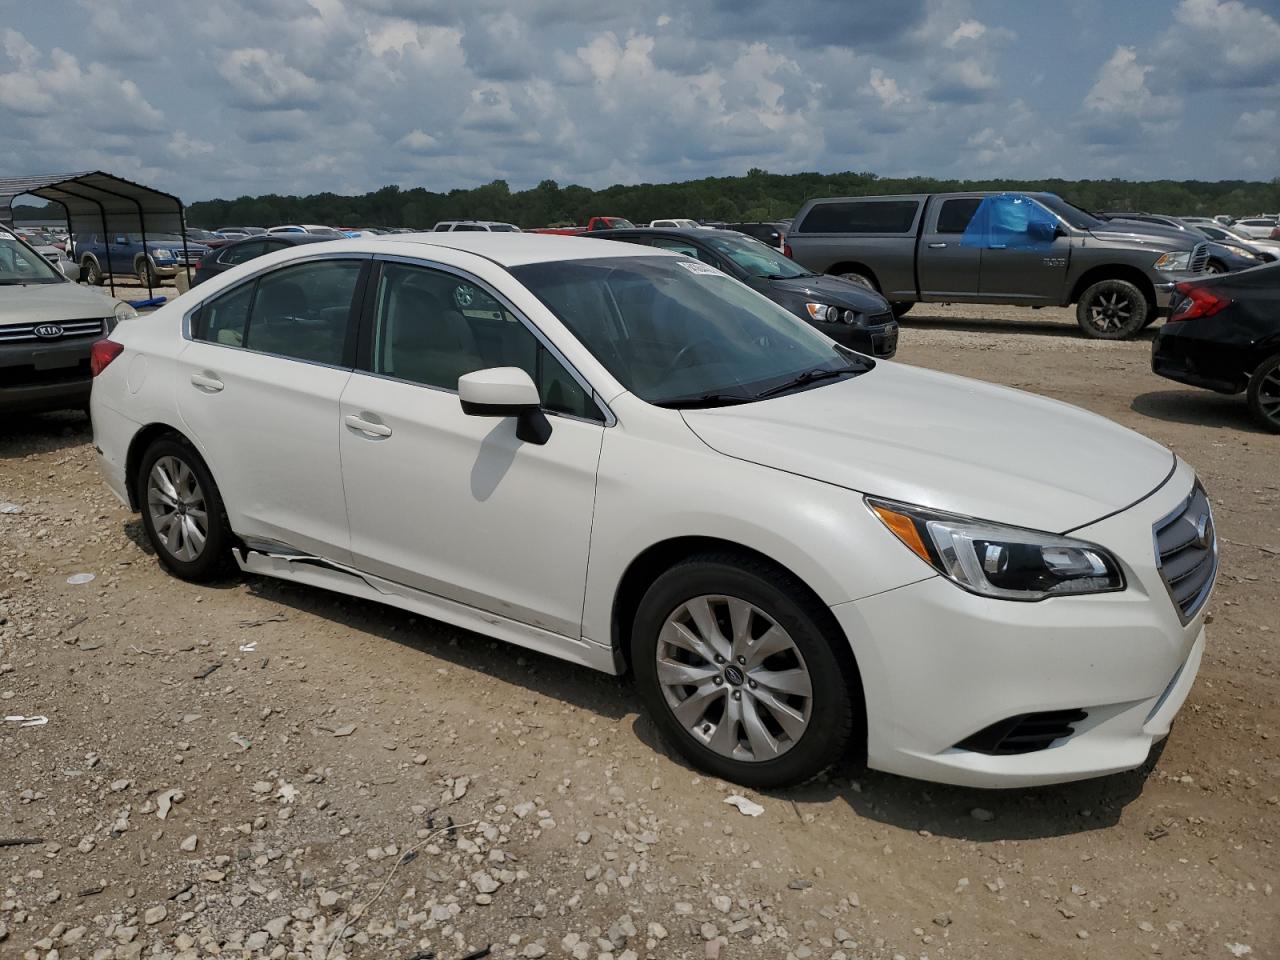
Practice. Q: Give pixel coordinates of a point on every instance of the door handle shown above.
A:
(366, 426)
(936, 246)
(998, 246)
(207, 381)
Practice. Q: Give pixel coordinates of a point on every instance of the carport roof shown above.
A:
(91, 194)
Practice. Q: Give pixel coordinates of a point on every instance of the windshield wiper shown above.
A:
(806, 378)
(703, 400)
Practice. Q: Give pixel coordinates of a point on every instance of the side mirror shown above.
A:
(69, 269)
(506, 392)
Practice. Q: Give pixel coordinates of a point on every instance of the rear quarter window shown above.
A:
(861, 216)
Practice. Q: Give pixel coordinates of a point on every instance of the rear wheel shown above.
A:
(735, 662)
(91, 272)
(1264, 393)
(182, 511)
(901, 309)
(861, 279)
(1112, 310)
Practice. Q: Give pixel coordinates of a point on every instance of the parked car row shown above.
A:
(613, 451)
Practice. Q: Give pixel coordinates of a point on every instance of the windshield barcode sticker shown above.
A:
(702, 269)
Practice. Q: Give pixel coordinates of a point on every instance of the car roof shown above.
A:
(691, 233)
(515, 249)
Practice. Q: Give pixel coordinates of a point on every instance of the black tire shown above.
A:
(901, 309)
(91, 272)
(1112, 310)
(145, 272)
(1264, 393)
(861, 279)
(836, 713)
(215, 560)
(1216, 266)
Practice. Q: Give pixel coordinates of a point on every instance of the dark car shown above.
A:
(1223, 257)
(774, 234)
(1223, 334)
(847, 312)
(242, 251)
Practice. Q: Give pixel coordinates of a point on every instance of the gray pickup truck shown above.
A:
(1032, 249)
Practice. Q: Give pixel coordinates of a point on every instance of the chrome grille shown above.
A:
(1187, 553)
(1200, 258)
(71, 329)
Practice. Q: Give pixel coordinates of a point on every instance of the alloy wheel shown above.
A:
(179, 513)
(734, 678)
(1269, 396)
(1110, 311)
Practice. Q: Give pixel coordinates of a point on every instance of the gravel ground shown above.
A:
(261, 769)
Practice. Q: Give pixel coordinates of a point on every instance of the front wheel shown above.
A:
(146, 273)
(735, 662)
(91, 272)
(1215, 266)
(1264, 393)
(182, 512)
(901, 309)
(1112, 310)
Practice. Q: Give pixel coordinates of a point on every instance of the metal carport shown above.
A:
(100, 204)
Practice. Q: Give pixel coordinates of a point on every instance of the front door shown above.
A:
(258, 388)
(1024, 257)
(457, 505)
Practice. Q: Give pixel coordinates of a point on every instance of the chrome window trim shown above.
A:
(609, 418)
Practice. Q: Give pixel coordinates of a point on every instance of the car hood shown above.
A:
(948, 443)
(51, 303)
(833, 290)
(1150, 235)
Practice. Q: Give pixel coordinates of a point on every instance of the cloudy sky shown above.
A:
(214, 98)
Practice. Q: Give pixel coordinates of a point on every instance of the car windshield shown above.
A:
(678, 332)
(757, 258)
(19, 264)
(1080, 219)
(617, 223)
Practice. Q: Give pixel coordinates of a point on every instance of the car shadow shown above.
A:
(915, 805)
(1031, 325)
(25, 434)
(539, 673)
(1200, 408)
(1016, 814)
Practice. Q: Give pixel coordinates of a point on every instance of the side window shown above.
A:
(684, 247)
(242, 252)
(224, 318)
(304, 311)
(433, 327)
(954, 216)
(861, 216)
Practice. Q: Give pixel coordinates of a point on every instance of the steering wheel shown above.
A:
(682, 354)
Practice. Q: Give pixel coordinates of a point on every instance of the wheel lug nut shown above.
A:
(737, 694)
(719, 659)
(751, 684)
(719, 680)
(742, 660)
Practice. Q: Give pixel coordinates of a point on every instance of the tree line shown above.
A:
(758, 195)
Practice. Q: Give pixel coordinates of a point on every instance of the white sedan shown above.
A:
(624, 458)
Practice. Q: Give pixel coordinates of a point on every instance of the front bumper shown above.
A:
(41, 376)
(879, 341)
(939, 664)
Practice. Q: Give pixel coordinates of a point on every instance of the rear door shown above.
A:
(258, 388)
(948, 270)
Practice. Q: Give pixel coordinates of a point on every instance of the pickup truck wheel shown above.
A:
(1264, 393)
(1112, 310)
(91, 272)
(146, 273)
(860, 278)
(901, 309)
(1215, 266)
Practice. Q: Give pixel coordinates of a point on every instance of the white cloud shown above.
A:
(264, 81)
(1225, 43)
(886, 89)
(1121, 89)
(968, 30)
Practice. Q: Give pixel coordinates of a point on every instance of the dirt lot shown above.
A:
(354, 781)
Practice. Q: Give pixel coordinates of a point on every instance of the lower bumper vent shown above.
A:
(1025, 733)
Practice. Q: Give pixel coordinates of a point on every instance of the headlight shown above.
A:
(122, 312)
(823, 312)
(1241, 252)
(162, 254)
(1008, 563)
(1180, 260)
